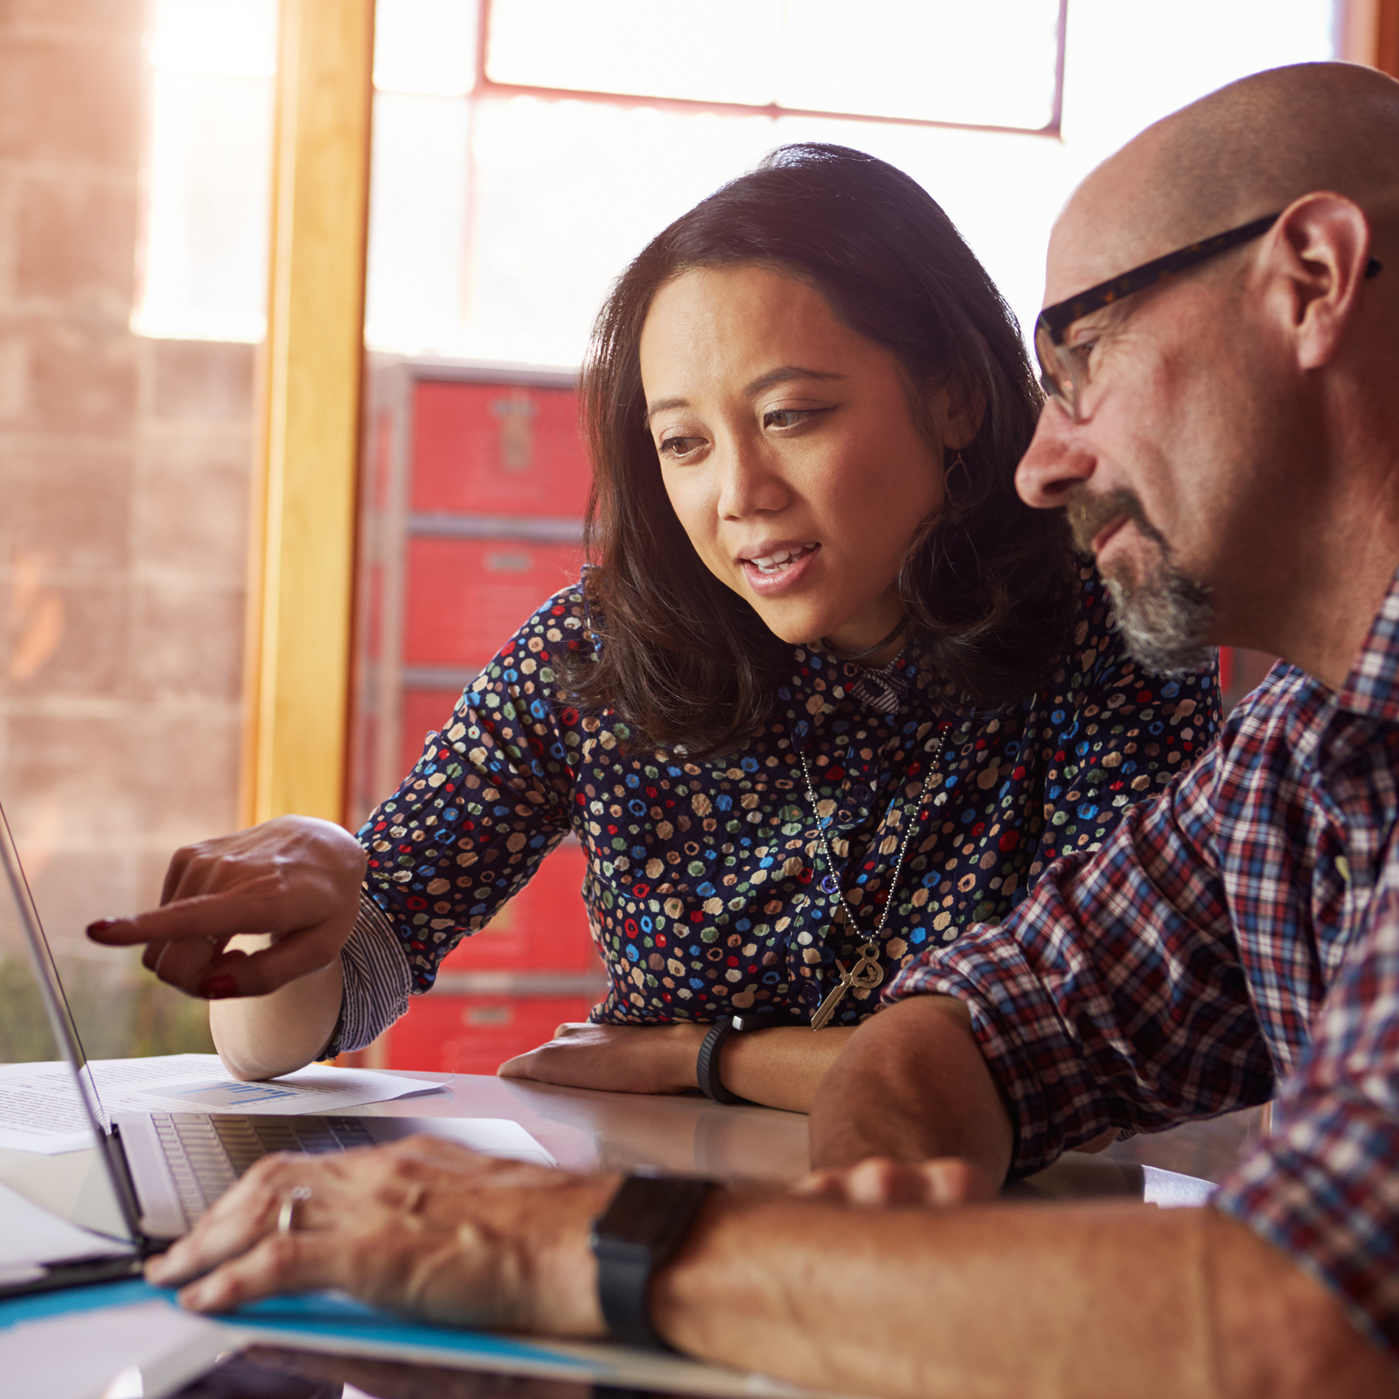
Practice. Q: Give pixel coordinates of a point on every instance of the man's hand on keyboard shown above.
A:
(295, 880)
(423, 1227)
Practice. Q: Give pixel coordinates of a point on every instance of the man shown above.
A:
(1225, 435)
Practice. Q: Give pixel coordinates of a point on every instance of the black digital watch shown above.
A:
(644, 1223)
(707, 1065)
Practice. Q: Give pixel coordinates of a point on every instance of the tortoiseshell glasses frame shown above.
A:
(1064, 371)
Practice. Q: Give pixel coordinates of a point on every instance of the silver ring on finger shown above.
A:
(286, 1216)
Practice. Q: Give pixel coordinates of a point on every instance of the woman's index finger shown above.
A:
(225, 914)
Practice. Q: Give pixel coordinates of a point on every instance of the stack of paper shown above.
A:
(40, 1110)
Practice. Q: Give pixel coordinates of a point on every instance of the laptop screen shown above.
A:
(53, 1143)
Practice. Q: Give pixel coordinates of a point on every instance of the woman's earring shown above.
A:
(957, 465)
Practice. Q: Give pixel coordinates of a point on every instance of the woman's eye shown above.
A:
(677, 446)
(786, 417)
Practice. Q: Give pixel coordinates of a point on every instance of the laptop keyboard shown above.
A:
(207, 1153)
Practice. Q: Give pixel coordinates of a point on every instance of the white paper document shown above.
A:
(31, 1236)
(152, 1348)
(493, 1136)
(46, 1118)
(40, 1110)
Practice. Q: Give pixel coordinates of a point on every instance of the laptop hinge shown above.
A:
(126, 1188)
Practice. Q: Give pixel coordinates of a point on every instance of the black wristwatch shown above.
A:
(642, 1226)
(707, 1065)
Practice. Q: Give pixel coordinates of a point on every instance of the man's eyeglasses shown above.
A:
(1064, 368)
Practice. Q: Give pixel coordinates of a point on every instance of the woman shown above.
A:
(829, 693)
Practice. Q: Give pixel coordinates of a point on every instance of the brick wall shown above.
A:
(123, 516)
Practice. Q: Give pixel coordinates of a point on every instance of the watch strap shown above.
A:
(707, 1065)
(644, 1223)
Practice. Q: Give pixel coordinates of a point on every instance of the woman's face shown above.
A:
(788, 450)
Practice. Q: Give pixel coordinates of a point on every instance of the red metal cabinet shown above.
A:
(497, 449)
(476, 1034)
(424, 712)
(475, 485)
(467, 597)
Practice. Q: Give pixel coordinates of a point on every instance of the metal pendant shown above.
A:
(866, 974)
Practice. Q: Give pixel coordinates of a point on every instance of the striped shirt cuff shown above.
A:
(377, 981)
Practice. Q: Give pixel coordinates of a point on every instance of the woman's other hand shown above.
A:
(422, 1227)
(295, 880)
(615, 1058)
(880, 1181)
(778, 1067)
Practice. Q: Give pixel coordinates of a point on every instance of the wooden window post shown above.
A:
(1367, 31)
(303, 537)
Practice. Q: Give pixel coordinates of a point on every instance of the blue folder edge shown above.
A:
(322, 1315)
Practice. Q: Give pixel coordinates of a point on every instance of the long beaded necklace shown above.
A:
(866, 974)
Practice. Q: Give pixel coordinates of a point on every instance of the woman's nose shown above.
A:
(750, 482)
(1056, 461)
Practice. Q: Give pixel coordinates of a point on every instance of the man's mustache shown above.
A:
(1088, 513)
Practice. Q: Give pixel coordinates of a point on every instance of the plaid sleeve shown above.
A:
(1113, 996)
(1322, 1187)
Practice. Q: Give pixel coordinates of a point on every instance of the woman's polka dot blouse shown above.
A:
(704, 884)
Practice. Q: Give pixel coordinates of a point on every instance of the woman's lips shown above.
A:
(784, 576)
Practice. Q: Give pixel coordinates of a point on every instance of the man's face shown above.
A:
(1160, 474)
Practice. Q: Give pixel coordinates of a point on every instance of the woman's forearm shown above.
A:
(263, 1036)
(780, 1068)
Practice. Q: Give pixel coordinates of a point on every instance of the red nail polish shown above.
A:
(102, 924)
(217, 987)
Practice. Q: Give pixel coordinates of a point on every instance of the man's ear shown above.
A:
(1319, 249)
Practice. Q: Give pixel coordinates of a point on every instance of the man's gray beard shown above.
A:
(1163, 621)
(1165, 618)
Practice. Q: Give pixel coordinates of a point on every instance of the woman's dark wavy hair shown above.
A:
(987, 581)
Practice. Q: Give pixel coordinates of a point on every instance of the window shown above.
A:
(937, 60)
(208, 169)
(511, 185)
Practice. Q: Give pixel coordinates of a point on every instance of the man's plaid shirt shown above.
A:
(1236, 938)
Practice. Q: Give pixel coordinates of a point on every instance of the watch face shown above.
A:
(650, 1213)
(752, 1020)
(642, 1210)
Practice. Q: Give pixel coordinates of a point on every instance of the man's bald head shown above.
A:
(1247, 150)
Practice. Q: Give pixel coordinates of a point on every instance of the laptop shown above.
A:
(154, 1173)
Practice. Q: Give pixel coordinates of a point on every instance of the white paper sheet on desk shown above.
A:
(149, 1349)
(40, 1111)
(30, 1235)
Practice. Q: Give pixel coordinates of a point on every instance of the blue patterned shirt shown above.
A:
(704, 884)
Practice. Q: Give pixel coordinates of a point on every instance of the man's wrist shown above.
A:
(644, 1224)
(878, 1100)
(560, 1295)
